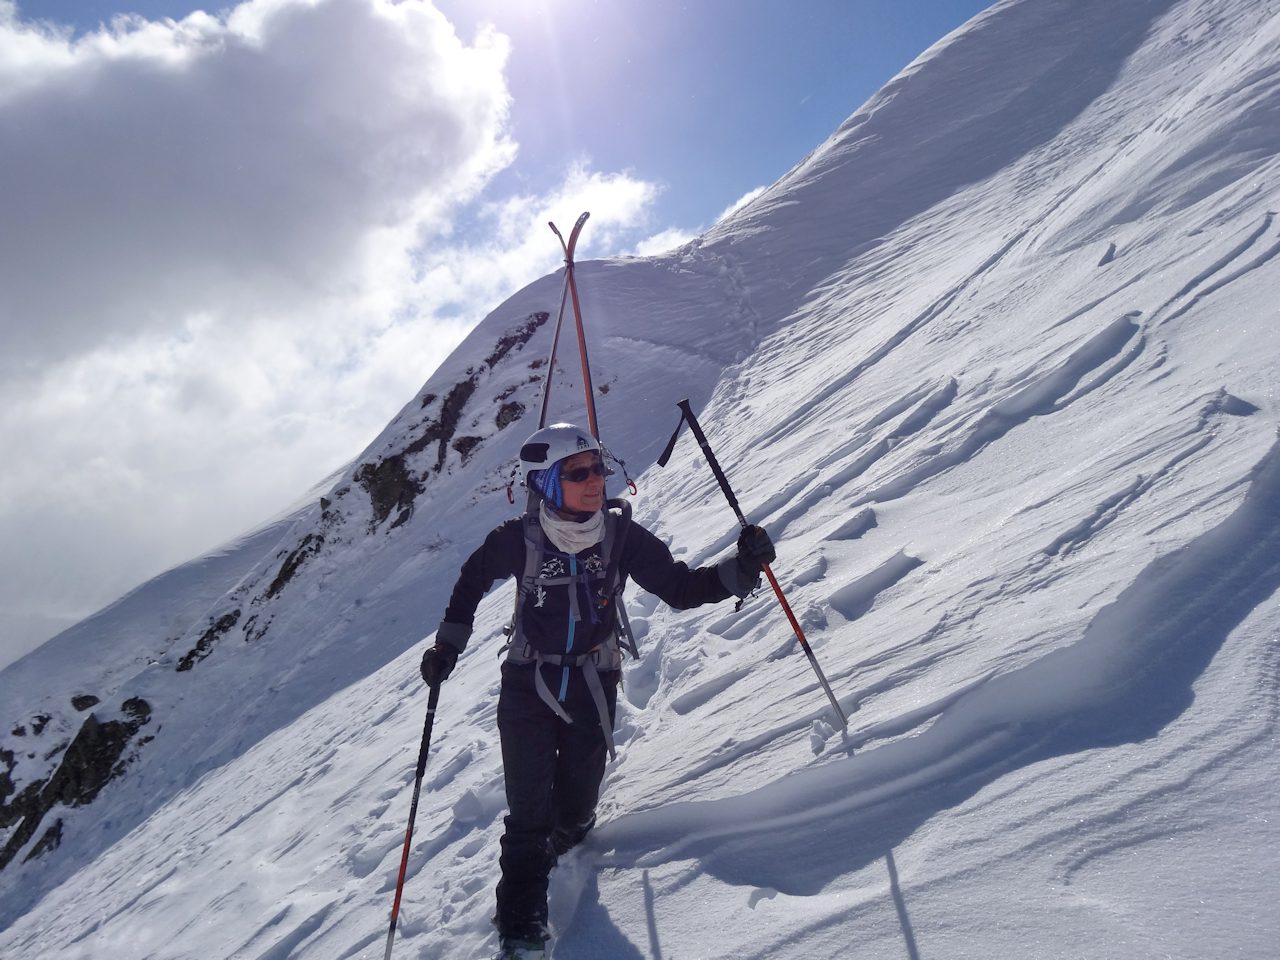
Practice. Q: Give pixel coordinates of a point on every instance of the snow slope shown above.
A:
(996, 366)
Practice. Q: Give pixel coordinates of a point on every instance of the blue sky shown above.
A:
(238, 241)
(711, 98)
(708, 98)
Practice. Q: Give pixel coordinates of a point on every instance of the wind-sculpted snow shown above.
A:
(854, 599)
(1129, 675)
(1046, 393)
(996, 368)
(1217, 276)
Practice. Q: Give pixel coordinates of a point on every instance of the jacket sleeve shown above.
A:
(647, 560)
(500, 556)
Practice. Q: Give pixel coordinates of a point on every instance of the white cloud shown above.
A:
(511, 242)
(741, 202)
(674, 237)
(153, 170)
(234, 247)
(663, 241)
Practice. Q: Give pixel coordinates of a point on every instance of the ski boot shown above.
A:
(564, 839)
(512, 949)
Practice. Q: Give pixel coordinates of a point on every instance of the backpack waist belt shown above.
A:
(586, 662)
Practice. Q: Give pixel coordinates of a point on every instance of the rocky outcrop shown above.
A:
(204, 646)
(392, 483)
(95, 757)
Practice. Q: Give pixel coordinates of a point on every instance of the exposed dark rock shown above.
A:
(84, 701)
(39, 722)
(137, 709)
(517, 338)
(19, 731)
(90, 762)
(14, 810)
(8, 760)
(309, 547)
(464, 446)
(509, 413)
(392, 485)
(51, 840)
(204, 646)
(447, 425)
(257, 634)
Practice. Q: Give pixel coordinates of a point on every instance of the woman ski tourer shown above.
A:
(572, 553)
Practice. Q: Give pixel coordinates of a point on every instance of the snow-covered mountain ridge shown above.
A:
(995, 365)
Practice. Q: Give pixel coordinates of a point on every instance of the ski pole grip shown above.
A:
(712, 462)
(426, 729)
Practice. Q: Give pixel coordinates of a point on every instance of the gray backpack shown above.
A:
(539, 575)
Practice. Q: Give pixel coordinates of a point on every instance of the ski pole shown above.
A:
(686, 415)
(413, 813)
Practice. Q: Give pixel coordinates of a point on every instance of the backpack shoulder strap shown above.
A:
(615, 581)
(534, 548)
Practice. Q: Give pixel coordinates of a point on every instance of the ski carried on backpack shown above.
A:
(570, 295)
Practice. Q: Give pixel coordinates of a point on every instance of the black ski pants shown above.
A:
(553, 771)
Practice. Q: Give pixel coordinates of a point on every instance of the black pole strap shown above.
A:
(712, 462)
(671, 444)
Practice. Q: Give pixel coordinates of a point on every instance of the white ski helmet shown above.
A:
(550, 445)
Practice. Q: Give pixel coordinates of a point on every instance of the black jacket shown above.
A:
(546, 620)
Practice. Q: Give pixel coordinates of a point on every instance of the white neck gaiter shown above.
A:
(570, 536)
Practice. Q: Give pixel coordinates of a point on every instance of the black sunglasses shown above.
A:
(580, 474)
